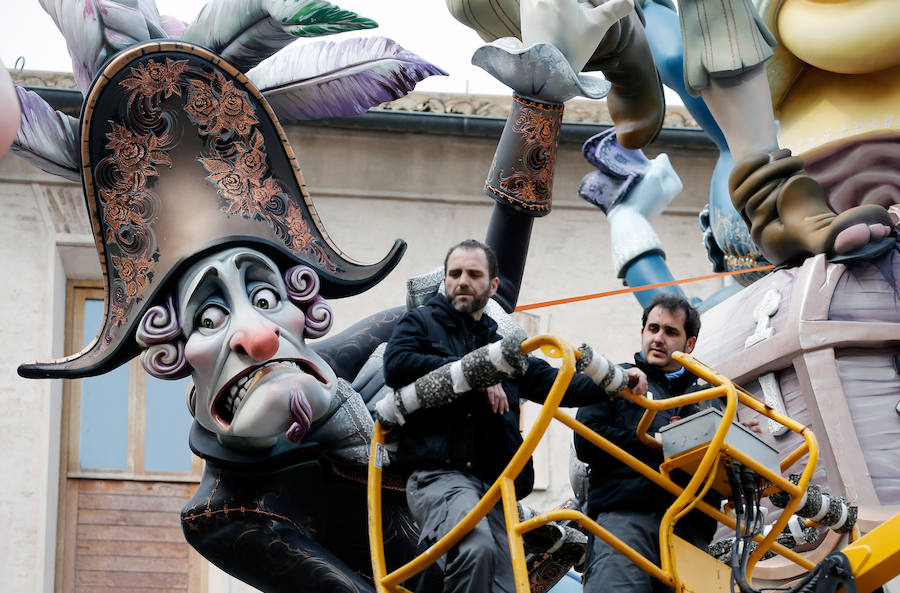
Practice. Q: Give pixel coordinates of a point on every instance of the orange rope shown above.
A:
(638, 288)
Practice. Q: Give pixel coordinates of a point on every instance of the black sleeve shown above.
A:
(538, 380)
(602, 418)
(406, 357)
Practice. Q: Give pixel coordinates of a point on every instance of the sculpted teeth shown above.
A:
(239, 389)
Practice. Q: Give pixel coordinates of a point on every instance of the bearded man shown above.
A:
(450, 454)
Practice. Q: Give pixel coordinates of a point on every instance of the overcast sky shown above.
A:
(421, 26)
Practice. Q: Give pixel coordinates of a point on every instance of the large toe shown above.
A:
(852, 238)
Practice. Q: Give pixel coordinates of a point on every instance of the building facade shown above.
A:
(97, 470)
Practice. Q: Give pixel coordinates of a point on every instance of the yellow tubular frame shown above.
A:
(687, 497)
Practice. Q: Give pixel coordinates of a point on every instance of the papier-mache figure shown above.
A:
(726, 45)
(217, 266)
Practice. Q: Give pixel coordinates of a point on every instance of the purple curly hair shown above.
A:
(303, 290)
(159, 334)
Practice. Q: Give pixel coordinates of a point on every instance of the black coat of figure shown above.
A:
(612, 485)
(288, 519)
(291, 518)
(465, 435)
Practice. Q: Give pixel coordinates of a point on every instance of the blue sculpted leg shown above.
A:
(730, 246)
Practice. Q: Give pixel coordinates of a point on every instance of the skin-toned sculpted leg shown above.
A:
(785, 209)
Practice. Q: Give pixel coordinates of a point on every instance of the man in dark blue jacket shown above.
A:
(450, 454)
(619, 498)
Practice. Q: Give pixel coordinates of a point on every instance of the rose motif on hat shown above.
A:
(251, 160)
(233, 184)
(235, 111)
(268, 196)
(134, 153)
(155, 78)
(118, 212)
(298, 229)
(133, 272)
(117, 316)
(224, 113)
(201, 103)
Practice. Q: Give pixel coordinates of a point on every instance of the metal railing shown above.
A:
(687, 497)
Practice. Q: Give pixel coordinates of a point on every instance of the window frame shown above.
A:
(78, 291)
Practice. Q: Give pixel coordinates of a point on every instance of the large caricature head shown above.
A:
(183, 160)
(244, 326)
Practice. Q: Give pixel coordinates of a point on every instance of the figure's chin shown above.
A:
(266, 410)
(277, 375)
(656, 360)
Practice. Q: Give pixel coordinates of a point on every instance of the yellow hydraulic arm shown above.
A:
(874, 558)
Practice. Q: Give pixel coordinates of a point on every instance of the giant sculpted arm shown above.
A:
(543, 72)
(481, 369)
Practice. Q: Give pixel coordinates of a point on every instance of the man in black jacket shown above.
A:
(450, 454)
(619, 498)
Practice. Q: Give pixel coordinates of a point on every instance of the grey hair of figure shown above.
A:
(159, 332)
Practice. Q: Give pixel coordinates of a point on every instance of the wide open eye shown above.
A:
(211, 317)
(264, 298)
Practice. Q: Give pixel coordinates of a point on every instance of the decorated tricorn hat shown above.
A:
(182, 156)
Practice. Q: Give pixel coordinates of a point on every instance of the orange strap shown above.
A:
(638, 288)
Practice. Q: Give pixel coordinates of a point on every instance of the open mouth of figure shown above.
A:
(229, 399)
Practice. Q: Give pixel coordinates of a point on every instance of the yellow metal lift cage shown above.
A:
(875, 558)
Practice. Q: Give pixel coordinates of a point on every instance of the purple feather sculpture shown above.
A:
(301, 82)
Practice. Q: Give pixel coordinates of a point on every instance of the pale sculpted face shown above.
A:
(662, 335)
(468, 282)
(246, 348)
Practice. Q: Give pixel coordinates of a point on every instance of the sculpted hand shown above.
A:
(497, 398)
(575, 27)
(637, 381)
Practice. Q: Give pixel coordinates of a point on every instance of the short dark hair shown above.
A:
(473, 244)
(674, 303)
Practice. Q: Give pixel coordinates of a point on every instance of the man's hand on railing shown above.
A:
(481, 369)
(637, 380)
(611, 377)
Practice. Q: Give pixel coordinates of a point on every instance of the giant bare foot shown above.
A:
(789, 218)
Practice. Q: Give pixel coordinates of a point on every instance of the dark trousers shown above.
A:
(606, 570)
(480, 562)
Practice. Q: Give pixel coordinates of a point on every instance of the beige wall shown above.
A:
(370, 188)
(35, 210)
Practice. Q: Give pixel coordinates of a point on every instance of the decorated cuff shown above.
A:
(521, 173)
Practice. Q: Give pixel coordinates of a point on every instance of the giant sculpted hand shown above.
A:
(574, 27)
(558, 38)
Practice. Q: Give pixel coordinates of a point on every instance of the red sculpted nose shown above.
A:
(259, 341)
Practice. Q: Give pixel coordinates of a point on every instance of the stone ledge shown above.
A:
(577, 110)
